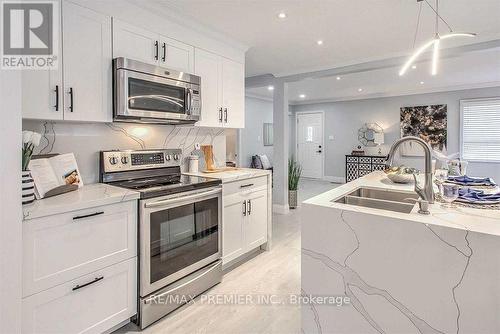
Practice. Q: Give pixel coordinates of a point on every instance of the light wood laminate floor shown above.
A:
(276, 272)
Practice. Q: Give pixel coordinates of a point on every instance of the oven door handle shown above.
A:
(181, 198)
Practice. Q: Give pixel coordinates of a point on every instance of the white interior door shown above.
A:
(310, 148)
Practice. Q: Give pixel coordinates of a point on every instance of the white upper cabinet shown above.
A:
(208, 66)
(233, 93)
(150, 47)
(84, 92)
(176, 55)
(222, 90)
(134, 43)
(87, 64)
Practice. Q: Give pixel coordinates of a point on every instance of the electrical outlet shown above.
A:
(330, 137)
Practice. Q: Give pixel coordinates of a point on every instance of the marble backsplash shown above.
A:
(86, 140)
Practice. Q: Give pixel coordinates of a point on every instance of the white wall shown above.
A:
(86, 140)
(10, 202)
(343, 119)
(257, 112)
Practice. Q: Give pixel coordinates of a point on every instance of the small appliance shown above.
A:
(146, 93)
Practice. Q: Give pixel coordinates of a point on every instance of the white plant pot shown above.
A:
(28, 187)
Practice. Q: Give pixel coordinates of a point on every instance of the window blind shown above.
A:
(481, 129)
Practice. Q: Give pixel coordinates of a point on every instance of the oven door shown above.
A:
(149, 97)
(179, 234)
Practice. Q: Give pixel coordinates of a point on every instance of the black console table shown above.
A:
(359, 165)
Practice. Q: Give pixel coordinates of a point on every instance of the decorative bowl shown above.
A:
(401, 174)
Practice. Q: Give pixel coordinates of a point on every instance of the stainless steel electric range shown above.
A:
(179, 227)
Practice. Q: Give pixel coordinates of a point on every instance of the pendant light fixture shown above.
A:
(435, 42)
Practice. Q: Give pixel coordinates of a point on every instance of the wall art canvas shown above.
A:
(427, 122)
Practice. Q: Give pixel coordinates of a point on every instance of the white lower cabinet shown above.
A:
(245, 219)
(80, 269)
(92, 303)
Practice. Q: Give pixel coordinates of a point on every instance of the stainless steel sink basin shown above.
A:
(380, 199)
(386, 195)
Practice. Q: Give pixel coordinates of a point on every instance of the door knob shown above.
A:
(318, 151)
(319, 146)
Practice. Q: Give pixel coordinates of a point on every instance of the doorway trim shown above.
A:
(296, 118)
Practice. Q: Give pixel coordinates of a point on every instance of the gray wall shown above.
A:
(343, 119)
(257, 112)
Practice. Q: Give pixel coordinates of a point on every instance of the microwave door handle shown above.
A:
(181, 198)
(189, 102)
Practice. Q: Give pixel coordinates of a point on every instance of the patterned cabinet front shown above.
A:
(358, 166)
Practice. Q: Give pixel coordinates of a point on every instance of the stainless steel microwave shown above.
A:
(146, 93)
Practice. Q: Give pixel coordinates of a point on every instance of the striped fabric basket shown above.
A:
(28, 188)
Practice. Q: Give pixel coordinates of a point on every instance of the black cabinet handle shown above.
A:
(97, 279)
(71, 98)
(164, 47)
(57, 97)
(156, 50)
(220, 114)
(244, 208)
(89, 215)
(225, 115)
(246, 185)
(249, 207)
(318, 151)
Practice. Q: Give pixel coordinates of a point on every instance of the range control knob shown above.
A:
(167, 157)
(176, 157)
(124, 160)
(113, 160)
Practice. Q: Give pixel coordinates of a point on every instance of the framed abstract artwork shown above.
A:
(426, 122)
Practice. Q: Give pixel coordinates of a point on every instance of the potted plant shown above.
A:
(30, 141)
(294, 172)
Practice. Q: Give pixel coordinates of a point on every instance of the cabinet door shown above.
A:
(232, 227)
(233, 93)
(209, 67)
(176, 55)
(255, 226)
(87, 64)
(135, 43)
(40, 89)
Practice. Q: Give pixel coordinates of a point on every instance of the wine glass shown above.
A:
(441, 176)
(449, 194)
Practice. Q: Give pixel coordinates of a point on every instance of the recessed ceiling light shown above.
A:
(421, 82)
(338, 78)
(270, 87)
(282, 15)
(414, 66)
(319, 42)
(302, 96)
(360, 89)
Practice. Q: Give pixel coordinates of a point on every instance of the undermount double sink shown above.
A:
(397, 201)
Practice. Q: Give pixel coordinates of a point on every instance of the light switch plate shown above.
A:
(330, 137)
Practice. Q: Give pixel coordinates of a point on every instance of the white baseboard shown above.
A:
(334, 179)
(281, 209)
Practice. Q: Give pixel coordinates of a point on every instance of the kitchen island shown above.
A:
(399, 272)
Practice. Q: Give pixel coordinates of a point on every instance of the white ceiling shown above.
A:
(471, 70)
(353, 31)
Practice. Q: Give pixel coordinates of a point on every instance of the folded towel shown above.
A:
(477, 196)
(471, 181)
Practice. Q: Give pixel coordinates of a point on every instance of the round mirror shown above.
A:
(366, 135)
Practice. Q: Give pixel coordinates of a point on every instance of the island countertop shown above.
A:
(474, 220)
(88, 196)
(233, 174)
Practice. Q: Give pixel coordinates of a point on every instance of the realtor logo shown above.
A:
(30, 34)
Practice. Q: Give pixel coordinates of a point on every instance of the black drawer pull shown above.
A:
(89, 215)
(156, 50)
(71, 99)
(246, 185)
(97, 279)
(57, 98)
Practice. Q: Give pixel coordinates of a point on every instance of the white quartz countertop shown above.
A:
(88, 196)
(233, 175)
(474, 220)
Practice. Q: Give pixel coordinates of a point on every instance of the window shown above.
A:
(480, 135)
